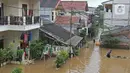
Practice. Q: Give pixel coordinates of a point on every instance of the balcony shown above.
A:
(19, 23)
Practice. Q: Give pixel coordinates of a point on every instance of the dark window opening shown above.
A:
(108, 7)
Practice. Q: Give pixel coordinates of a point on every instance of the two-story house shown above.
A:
(18, 20)
(47, 9)
(116, 13)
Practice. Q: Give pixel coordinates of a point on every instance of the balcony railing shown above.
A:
(19, 20)
(4, 20)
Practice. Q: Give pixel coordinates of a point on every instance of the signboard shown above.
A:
(119, 9)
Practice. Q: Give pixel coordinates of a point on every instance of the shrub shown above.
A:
(36, 49)
(110, 42)
(5, 55)
(17, 70)
(77, 51)
(20, 54)
(61, 58)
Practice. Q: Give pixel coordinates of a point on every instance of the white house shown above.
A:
(17, 17)
(48, 11)
(116, 13)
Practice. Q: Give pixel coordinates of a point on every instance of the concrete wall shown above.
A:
(47, 13)
(14, 7)
(13, 37)
(10, 7)
(112, 18)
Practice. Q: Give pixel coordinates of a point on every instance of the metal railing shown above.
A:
(19, 20)
(36, 19)
(4, 20)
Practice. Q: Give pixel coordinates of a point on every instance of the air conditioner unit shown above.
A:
(119, 9)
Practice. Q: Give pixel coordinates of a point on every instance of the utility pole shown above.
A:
(71, 50)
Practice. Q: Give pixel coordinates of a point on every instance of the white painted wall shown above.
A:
(112, 19)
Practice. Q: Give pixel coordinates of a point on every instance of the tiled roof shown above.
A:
(49, 3)
(65, 20)
(75, 5)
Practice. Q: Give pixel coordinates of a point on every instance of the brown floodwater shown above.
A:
(115, 65)
(79, 64)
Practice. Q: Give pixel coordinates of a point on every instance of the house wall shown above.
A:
(14, 7)
(47, 13)
(112, 19)
(13, 37)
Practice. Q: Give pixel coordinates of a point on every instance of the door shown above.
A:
(1, 14)
(1, 43)
(24, 11)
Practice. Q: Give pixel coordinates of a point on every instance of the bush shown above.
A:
(77, 51)
(110, 42)
(61, 58)
(17, 70)
(20, 54)
(36, 49)
(5, 55)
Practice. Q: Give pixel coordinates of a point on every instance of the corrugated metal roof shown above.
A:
(48, 3)
(74, 40)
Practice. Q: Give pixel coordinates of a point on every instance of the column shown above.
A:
(8, 19)
(32, 19)
(24, 20)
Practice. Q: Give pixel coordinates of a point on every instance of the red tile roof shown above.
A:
(65, 20)
(75, 5)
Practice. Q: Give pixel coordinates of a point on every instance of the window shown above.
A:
(52, 16)
(108, 7)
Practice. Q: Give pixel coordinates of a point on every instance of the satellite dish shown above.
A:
(119, 9)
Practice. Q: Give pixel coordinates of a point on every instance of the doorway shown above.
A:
(24, 9)
(1, 43)
(1, 13)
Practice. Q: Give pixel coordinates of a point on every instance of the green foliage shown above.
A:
(17, 70)
(36, 49)
(61, 58)
(19, 54)
(77, 51)
(111, 42)
(5, 55)
(64, 54)
(83, 33)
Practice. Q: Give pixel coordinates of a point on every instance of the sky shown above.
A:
(91, 3)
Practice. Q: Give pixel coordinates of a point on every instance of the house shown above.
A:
(47, 9)
(116, 13)
(77, 6)
(64, 21)
(59, 38)
(19, 22)
(91, 10)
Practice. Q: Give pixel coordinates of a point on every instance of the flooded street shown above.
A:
(74, 65)
(89, 61)
(94, 64)
(115, 65)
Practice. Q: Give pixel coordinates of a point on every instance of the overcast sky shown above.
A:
(92, 3)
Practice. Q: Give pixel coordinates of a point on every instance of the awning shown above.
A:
(75, 40)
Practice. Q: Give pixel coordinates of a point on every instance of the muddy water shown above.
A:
(74, 65)
(115, 65)
(80, 64)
